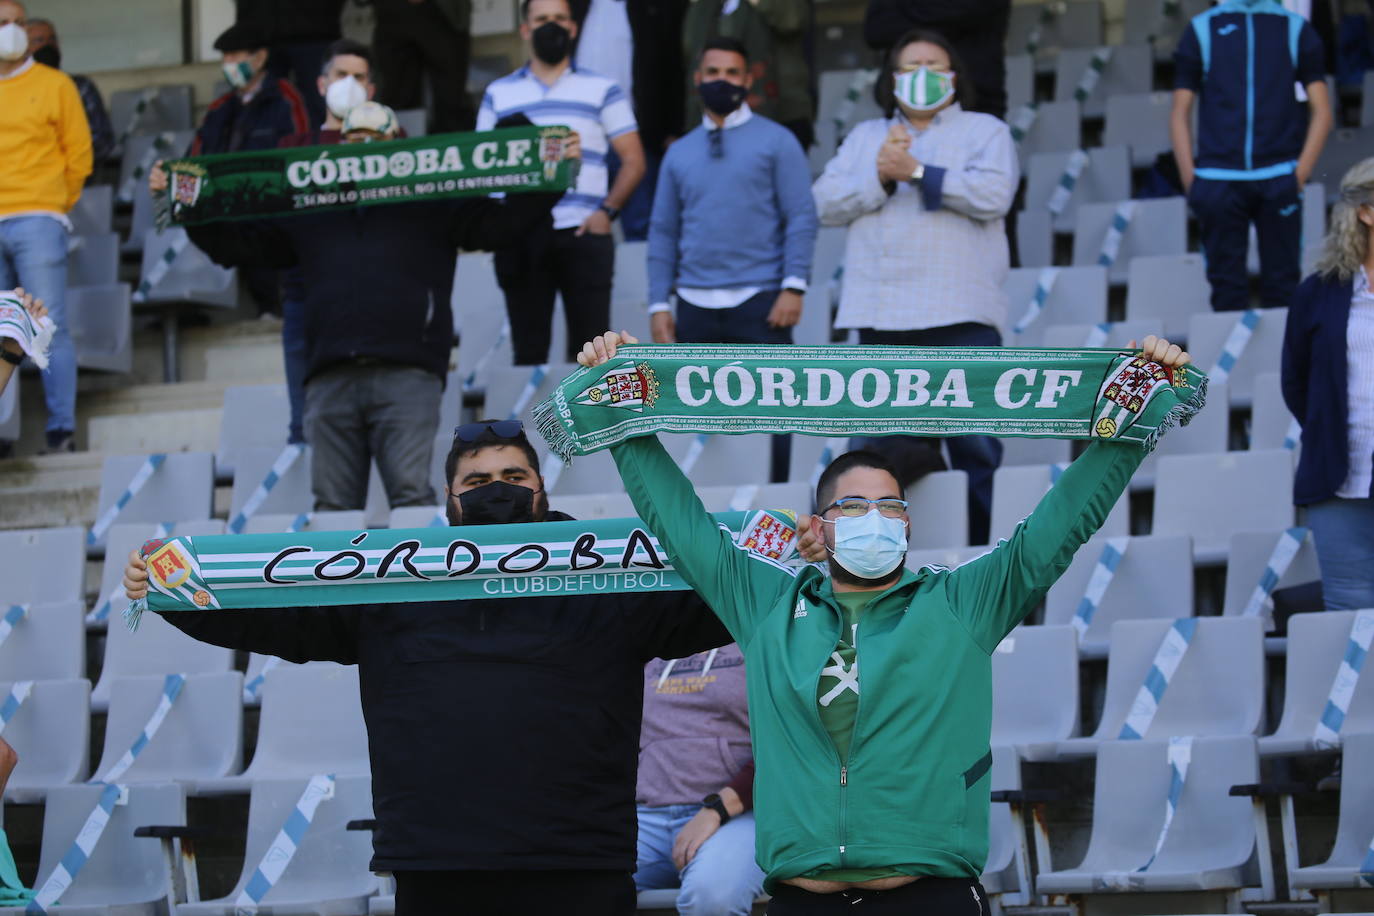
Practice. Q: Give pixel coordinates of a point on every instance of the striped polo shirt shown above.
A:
(591, 104)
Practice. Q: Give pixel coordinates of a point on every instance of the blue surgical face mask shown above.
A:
(870, 546)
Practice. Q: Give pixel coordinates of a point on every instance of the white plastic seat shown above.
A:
(508, 388)
(122, 538)
(1140, 122)
(1020, 81)
(948, 557)
(100, 319)
(824, 288)
(1170, 288)
(168, 108)
(254, 416)
(1158, 226)
(1057, 129)
(999, 872)
(1018, 451)
(292, 493)
(1035, 690)
(156, 648)
(1077, 296)
(182, 489)
(414, 516)
(1147, 22)
(1317, 643)
(1207, 335)
(48, 644)
(201, 737)
(1078, 24)
(412, 121)
(1211, 497)
(191, 279)
(1016, 491)
(938, 508)
(1345, 147)
(629, 290)
(1270, 420)
(479, 313)
(1034, 240)
(1105, 177)
(42, 564)
(1353, 829)
(94, 210)
(833, 85)
(727, 498)
(1119, 334)
(93, 260)
(724, 459)
(1130, 69)
(51, 731)
(1247, 559)
(1205, 434)
(347, 520)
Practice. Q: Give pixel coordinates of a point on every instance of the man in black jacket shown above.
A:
(378, 323)
(503, 734)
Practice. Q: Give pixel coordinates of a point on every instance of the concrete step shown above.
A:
(143, 432)
(50, 491)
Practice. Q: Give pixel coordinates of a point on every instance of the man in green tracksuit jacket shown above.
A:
(858, 796)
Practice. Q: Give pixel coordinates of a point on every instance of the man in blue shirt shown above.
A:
(1256, 145)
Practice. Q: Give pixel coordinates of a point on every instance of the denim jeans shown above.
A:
(1343, 531)
(721, 880)
(33, 254)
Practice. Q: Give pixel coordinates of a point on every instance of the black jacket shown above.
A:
(276, 110)
(291, 21)
(377, 279)
(976, 28)
(503, 734)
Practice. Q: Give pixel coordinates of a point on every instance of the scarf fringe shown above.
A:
(1181, 414)
(134, 613)
(545, 418)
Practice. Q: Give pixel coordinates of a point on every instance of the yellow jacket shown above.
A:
(45, 142)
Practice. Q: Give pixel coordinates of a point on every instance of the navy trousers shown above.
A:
(1225, 210)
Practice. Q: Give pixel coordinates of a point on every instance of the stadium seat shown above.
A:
(142, 150)
(1211, 497)
(10, 415)
(254, 416)
(1057, 129)
(100, 319)
(1207, 335)
(412, 121)
(414, 516)
(1170, 288)
(164, 108)
(1140, 122)
(1035, 690)
(810, 454)
(1210, 840)
(191, 279)
(823, 291)
(1130, 69)
(1345, 147)
(158, 648)
(42, 565)
(833, 87)
(1157, 23)
(948, 557)
(291, 494)
(479, 317)
(629, 290)
(328, 872)
(1217, 689)
(48, 644)
(1119, 334)
(201, 737)
(1020, 81)
(513, 391)
(1154, 578)
(1034, 241)
(121, 539)
(1270, 421)
(1078, 296)
(93, 260)
(1355, 827)
(1248, 559)
(789, 496)
(1000, 871)
(1157, 227)
(182, 489)
(52, 732)
(125, 874)
(938, 508)
(1317, 645)
(349, 520)
(1016, 491)
(312, 722)
(1105, 177)
(94, 210)
(723, 459)
(1075, 24)
(1018, 451)
(1206, 434)
(594, 473)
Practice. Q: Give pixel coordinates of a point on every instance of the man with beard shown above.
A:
(503, 734)
(883, 802)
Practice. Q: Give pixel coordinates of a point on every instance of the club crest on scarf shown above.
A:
(627, 385)
(173, 571)
(1130, 389)
(770, 535)
(187, 180)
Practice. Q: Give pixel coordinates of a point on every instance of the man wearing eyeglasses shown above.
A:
(870, 690)
(503, 734)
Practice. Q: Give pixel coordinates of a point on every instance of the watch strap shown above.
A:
(14, 359)
(612, 212)
(714, 802)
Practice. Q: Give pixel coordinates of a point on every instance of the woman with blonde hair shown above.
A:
(1328, 384)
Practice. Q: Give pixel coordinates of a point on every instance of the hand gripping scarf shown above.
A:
(32, 335)
(221, 572)
(878, 391)
(307, 179)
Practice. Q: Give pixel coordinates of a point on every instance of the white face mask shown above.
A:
(14, 42)
(342, 95)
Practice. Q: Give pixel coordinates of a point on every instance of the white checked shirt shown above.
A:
(589, 103)
(1359, 337)
(907, 266)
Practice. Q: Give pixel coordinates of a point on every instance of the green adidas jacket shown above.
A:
(916, 788)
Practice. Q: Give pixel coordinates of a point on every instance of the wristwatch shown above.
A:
(919, 173)
(610, 211)
(713, 802)
(14, 359)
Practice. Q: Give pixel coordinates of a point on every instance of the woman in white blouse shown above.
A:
(924, 192)
(1328, 384)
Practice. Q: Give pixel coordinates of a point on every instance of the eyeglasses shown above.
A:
(856, 506)
(501, 429)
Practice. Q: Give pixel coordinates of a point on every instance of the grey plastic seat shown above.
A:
(51, 732)
(1035, 690)
(810, 454)
(290, 496)
(94, 210)
(1270, 420)
(1020, 82)
(824, 288)
(1211, 497)
(1057, 129)
(1355, 825)
(522, 387)
(346, 520)
(156, 648)
(1078, 296)
(1078, 26)
(1130, 69)
(727, 498)
(479, 314)
(1206, 434)
(1000, 872)
(100, 319)
(254, 416)
(938, 508)
(732, 460)
(201, 737)
(9, 410)
(1105, 177)
(1019, 451)
(589, 506)
(1207, 334)
(169, 143)
(1345, 147)
(93, 260)
(1120, 334)
(328, 875)
(1212, 836)
(412, 121)
(1147, 23)
(1139, 122)
(1316, 645)
(1171, 288)
(125, 875)
(1016, 491)
(42, 564)
(122, 538)
(312, 722)
(1217, 689)
(1367, 100)
(48, 644)
(192, 278)
(167, 108)
(630, 283)
(833, 86)
(420, 516)
(948, 557)
(1034, 242)
(1153, 579)
(1247, 560)
(180, 490)
(1157, 227)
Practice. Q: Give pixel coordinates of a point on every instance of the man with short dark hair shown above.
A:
(45, 48)
(503, 734)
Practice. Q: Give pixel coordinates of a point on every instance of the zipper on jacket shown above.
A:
(844, 808)
(1249, 90)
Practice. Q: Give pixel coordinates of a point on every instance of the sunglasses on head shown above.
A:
(501, 429)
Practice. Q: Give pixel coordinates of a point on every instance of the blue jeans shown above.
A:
(33, 254)
(721, 880)
(1343, 531)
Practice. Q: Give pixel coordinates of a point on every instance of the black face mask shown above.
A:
(50, 56)
(497, 503)
(551, 42)
(721, 97)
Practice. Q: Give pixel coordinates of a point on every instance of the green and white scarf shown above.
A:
(308, 179)
(830, 391)
(304, 569)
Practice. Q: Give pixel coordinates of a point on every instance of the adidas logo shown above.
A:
(800, 610)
